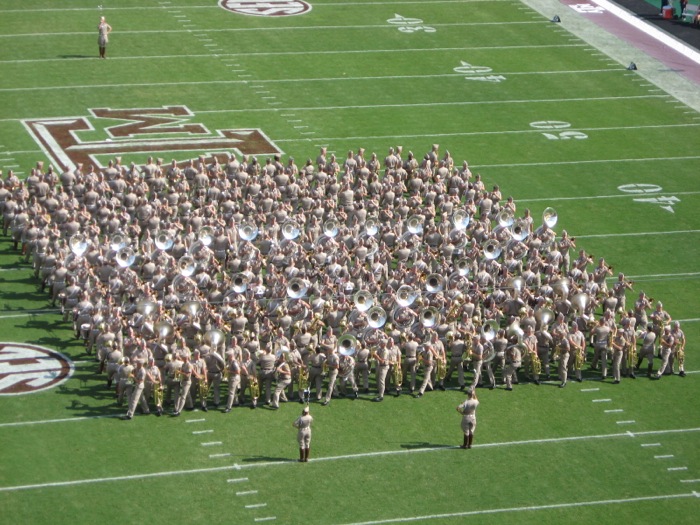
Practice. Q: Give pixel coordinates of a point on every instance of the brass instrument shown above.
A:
(632, 357)
(158, 394)
(303, 385)
(203, 387)
(253, 387)
(397, 374)
(440, 368)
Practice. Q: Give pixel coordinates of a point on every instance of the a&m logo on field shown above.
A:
(25, 369)
(269, 8)
(168, 132)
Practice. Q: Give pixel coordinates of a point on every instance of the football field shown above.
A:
(553, 119)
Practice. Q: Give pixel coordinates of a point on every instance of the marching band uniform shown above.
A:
(136, 397)
(284, 378)
(233, 369)
(303, 424)
(468, 411)
(333, 364)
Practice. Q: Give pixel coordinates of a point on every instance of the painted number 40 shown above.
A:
(555, 125)
(477, 72)
(666, 202)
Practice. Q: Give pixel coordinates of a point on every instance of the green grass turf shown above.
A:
(356, 81)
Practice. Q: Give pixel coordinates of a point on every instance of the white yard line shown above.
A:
(529, 508)
(288, 462)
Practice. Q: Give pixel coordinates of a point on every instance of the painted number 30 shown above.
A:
(555, 125)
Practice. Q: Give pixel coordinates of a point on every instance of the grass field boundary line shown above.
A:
(314, 80)
(302, 53)
(215, 6)
(635, 234)
(62, 420)
(529, 508)
(274, 29)
(616, 196)
(237, 466)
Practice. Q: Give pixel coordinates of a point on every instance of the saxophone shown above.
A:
(303, 384)
(158, 394)
(397, 374)
(440, 368)
(253, 387)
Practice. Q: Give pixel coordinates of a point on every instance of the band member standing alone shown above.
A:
(468, 411)
(103, 29)
(303, 424)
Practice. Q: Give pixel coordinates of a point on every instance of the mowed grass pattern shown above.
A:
(342, 76)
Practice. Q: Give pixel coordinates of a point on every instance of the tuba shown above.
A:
(505, 218)
(371, 226)
(331, 228)
(248, 231)
(549, 217)
(126, 257)
(520, 229)
(376, 317)
(489, 330)
(347, 345)
(164, 240)
(240, 282)
(406, 296)
(492, 249)
(460, 219)
(79, 244)
(434, 283)
(514, 330)
(414, 224)
(290, 230)
(297, 288)
(363, 300)
(118, 241)
(186, 265)
(429, 317)
(206, 235)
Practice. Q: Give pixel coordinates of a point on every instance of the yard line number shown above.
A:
(473, 72)
(410, 25)
(664, 201)
(556, 125)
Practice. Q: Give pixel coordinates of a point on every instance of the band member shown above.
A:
(533, 366)
(545, 345)
(667, 344)
(199, 375)
(284, 378)
(602, 338)
(362, 367)
(154, 386)
(233, 373)
(316, 371)
(184, 374)
(346, 374)
(249, 378)
(513, 359)
(577, 342)
(410, 362)
(659, 318)
(427, 358)
(383, 356)
(303, 424)
(124, 380)
(138, 376)
(215, 365)
(678, 348)
(477, 357)
(332, 364)
(619, 345)
(266, 364)
(647, 350)
(395, 371)
(468, 411)
(103, 31)
(562, 353)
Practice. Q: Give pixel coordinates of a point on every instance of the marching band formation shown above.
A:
(239, 283)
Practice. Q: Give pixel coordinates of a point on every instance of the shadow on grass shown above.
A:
(258, 459)
(422, 444)
(76, 56)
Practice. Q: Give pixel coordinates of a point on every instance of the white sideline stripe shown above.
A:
(236, 466)
(64, 420)
(303, 53)
(635, 234)
(338, 28)
(616, 196)
(293, 81)
(650, 30)
(529, 508)
(651, 444)
(215, 6)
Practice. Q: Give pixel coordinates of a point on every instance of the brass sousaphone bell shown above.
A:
(363, 300)
(347, 344)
